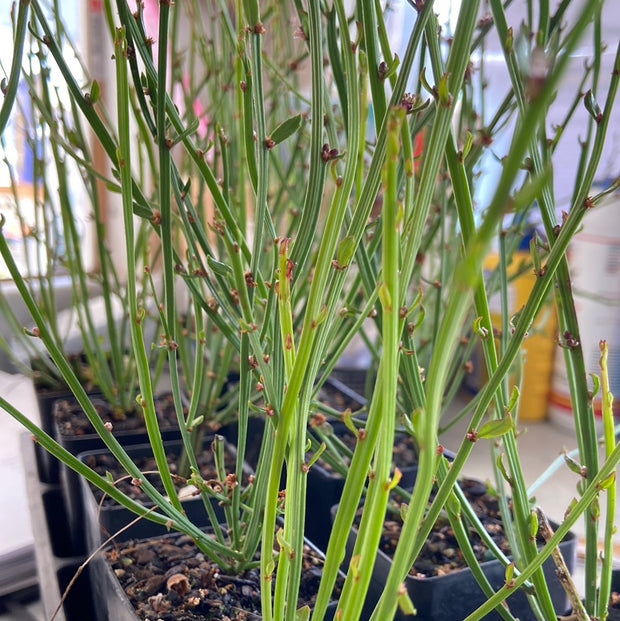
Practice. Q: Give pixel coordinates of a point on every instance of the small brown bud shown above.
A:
(316, 420)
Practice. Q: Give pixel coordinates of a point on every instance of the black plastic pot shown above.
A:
(77, 444)
(614, 612)
(256, 429)
(56, 560)
(456, 594)
(352, 378)
(49, 465)
(114, 603)
(325, 487)
(46, 398)
(101, 521)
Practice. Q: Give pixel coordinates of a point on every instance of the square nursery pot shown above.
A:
(49, 469)
(57, 563)
(325, 485)
(46, 397)
(183, 578)
(102, 519)
(456, 594)
(49, 465)
(357, 380)
(614, 604)
(74, 432)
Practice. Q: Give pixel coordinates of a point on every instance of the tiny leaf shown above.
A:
(348, 421)
(502, 469)
(497, 427)
(479, 329)
(188, 131)
(197, 421)
(608, 481)
(345, 251)
(285, 129)
(94, 92)
(514, 397)
(385, 297)
(592, 107)
(391, 68)
(221, 269)
(572, 504)
(469, 141)
(535, 254)
(424, 81)
(509, 40)
(533, 524)
(283, 543)
(573, 465)
(318, 453)
(303, 614)
(414, 325)
(596, 384)
(395, 479)
(321, 317)
(442, 90)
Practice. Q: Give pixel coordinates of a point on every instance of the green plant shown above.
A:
(262, 218)
(55, 242)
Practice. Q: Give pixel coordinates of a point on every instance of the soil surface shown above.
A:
(104, 463)
(441, 554)
(72, 420)
(169, 579)
(403, 455)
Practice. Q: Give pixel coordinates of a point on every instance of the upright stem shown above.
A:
(609, 437)
(136, 315)
(10, 91)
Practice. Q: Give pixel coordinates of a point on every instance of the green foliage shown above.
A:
(269, 219)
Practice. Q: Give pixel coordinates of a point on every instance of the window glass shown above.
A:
(29, 170)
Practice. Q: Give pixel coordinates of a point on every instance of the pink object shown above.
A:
(151, 26)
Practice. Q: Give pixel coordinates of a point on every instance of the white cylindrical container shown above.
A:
(594, 262)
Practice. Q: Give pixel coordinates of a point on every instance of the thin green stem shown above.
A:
(609, 437)
(10, 89)
(136, 315)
